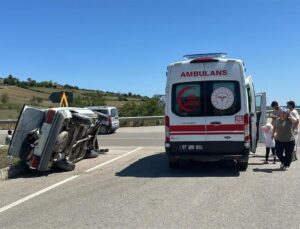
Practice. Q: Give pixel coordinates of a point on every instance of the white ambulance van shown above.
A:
(211, 111)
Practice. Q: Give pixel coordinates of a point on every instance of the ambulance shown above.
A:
(212, 112)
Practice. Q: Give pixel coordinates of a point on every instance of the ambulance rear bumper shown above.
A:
(207, 151)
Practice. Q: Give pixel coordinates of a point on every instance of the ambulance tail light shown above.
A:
(167, 128)
(50, 116)
(246, 128)
(109, 119)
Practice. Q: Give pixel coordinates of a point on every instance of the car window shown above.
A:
(187, 99)
(103, 111)
(209, 98)
(114, 112)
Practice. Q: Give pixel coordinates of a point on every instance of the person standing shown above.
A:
(269, 142)
(284, 137)
(8, 137)
(291, 105)
(276, 112)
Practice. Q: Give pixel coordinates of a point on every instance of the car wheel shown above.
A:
(103, 129)
(81, 119)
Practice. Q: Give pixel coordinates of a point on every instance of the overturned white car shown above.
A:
(59, 137)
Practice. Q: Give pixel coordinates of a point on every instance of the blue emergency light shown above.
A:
(205, 55)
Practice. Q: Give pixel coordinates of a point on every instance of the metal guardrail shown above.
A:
(124, 121)
(141, 121)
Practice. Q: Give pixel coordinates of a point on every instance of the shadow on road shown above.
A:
(155, 166)
(27, 173)
(267, 170)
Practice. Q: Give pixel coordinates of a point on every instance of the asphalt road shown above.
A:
(132, 187)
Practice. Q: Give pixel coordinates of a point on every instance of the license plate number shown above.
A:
(190, 147)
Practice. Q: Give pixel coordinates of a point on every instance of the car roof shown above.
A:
(101, 107)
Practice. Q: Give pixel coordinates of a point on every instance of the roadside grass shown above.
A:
(4, 160)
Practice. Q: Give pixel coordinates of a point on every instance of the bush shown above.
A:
(4, 98)
(149, 107)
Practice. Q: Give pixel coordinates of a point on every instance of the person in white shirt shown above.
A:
(291, 105)
(8, 137)
(269, 142)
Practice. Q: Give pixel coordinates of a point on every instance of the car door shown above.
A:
(261, 112)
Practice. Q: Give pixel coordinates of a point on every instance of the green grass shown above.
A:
(4, 161)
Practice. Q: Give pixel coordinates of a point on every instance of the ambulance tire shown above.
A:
(242, 165)
(173, 163)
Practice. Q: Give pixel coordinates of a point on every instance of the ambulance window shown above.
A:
(187, 99)
(222, 98)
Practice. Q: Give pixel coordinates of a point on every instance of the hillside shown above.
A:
(12, 98)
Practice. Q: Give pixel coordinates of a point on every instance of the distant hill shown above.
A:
(12, 98)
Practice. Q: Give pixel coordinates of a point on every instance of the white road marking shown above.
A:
(112, 160)
(26, 198)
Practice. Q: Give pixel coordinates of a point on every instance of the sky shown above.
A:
(126, 45)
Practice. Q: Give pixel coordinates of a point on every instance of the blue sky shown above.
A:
(125, 45)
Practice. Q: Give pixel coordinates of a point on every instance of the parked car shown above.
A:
(112, 123)
(59, 137)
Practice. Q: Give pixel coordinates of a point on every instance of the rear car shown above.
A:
(210, 112)
(59, 137)
(111, 123)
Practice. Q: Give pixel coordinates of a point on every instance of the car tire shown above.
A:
(26, 152)
(103, 129)
(81, 119)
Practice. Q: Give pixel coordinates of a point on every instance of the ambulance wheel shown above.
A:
(173, 163)
(242, 165)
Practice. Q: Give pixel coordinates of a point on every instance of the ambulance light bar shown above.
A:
(205, 55)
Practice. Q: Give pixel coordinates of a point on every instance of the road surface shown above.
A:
(132, 187)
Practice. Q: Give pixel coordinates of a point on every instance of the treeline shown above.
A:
(148, 107)
(11, 80)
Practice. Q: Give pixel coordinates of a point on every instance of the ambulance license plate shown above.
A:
(189, 147)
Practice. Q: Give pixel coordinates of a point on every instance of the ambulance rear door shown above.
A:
(187, 110)
(224, 107)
